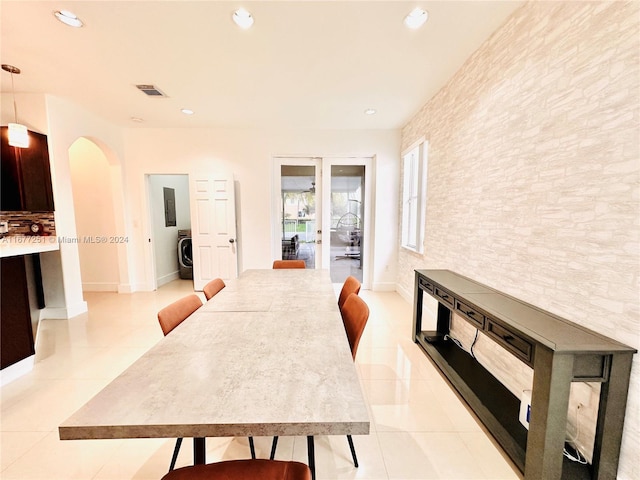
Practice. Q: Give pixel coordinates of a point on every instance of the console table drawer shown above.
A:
(475, 317)
(443, 296)
(510, 340)
(426, 285)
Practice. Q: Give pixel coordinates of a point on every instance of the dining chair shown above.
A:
(174, 314)
(170, 317)
(350, 285)
(213, 287)
(243, 470)
(289, 264)
(355, 314)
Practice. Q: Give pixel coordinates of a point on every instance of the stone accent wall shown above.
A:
(534, 176)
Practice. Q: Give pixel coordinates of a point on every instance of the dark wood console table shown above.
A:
(560, 352)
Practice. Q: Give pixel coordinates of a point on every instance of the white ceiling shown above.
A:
(304, 64)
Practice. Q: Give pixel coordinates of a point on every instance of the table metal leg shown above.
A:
(274, 444)
(199, 451)
(174, 457)
(312, 458)
(252, 448)
(353, 451)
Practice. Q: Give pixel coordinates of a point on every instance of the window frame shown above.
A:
(414, 196)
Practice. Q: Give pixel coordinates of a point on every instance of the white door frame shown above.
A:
(213, 227)
(276, 197)
(323, 203)
(367, 258)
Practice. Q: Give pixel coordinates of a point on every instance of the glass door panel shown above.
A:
(299, 219)
(347, 241)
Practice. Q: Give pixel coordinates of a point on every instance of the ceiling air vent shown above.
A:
(151, 90)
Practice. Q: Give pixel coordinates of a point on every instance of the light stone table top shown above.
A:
(283, 370)
(287, 291)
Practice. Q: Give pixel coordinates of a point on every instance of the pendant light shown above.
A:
(18, 135)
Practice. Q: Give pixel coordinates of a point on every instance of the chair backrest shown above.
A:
(351, 285)
(289, 264)
(243, 470)
(174, 314)
(213, 287)
(355, 314)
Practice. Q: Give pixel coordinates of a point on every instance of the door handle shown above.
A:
(231, 240)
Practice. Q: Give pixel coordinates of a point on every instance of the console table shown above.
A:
(559, 351)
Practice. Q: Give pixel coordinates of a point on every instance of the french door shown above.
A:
(299, 208)
(322, 209)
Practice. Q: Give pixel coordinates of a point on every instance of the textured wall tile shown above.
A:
(534, 174)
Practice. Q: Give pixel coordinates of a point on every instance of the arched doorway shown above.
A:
(97, 231)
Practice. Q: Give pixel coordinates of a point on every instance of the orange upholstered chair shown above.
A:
(173, 315)
(289, 264)
(243, 470)
(351, 285)
(355, 314)
(170, 317)
(213, 287)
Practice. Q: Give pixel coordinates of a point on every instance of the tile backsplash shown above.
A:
(19, 223)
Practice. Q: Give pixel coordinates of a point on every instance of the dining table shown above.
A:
(267, 356)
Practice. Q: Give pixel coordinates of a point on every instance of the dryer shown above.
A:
(185, 254)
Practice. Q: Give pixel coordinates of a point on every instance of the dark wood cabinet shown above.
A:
(16, 340)
(26, 175)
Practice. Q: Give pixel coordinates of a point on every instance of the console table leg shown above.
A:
(549, 404)
(611, 411)
(417, 309)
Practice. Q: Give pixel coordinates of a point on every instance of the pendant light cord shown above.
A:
(13, 92)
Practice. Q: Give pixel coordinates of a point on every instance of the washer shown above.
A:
(185, 254)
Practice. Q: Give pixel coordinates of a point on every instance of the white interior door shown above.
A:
(213, 229)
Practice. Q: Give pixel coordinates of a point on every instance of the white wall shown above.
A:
(66, 123)
(248, 154)
(32, 111)
(95, 218)
(165, 239)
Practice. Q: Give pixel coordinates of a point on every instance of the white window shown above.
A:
(414, 197)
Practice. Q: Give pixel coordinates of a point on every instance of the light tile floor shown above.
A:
(419, 427)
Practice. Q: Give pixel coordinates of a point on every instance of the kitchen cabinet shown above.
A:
(26, 175)
(16, 341)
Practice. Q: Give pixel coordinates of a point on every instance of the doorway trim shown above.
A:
(276, 223)
(323, 178)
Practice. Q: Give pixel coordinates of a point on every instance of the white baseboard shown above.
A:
(404, 293)
(384, 287)
(170, 277)
(125, 288)
(63, 313)
(99, 287)
(15, 371)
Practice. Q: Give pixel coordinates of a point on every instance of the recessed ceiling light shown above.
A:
(187, 111)
(242, 18)
(136, 119)
(68, 18)
(370, 111)
(416, 18)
